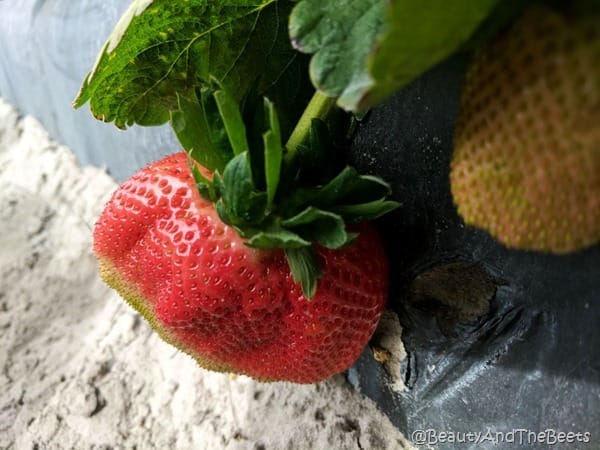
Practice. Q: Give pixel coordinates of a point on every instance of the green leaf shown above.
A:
(243, 203)
(217, 133)
(340, 34)
(305, 268)
(279, 238)
(232, 121)
(345, 190)
(365, 212)
(273, 153)
(351, 187)
(364, 50)
(323, 227)
(203, 184)
(161, 48)
(201, 133)
(418, 36)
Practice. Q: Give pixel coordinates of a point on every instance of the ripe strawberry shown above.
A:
(232, 307)
(526, 165)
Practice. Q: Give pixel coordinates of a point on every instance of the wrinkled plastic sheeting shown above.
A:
(532, 362)
(46, 49)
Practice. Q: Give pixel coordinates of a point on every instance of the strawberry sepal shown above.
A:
(278, 196)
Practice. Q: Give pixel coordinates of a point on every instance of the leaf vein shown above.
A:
(186, 49)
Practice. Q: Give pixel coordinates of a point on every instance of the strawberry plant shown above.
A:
(251, 250)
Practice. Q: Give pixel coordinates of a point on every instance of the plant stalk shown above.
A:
(319, 107)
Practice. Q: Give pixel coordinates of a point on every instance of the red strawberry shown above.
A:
(232, 307)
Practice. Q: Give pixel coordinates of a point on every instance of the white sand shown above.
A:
(81, 370)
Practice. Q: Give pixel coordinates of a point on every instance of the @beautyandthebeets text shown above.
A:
(517, 436)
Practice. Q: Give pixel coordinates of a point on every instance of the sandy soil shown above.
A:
(81, 370)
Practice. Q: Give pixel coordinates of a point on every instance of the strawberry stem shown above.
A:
(319, 107)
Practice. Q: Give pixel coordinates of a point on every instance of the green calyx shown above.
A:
(272, 194)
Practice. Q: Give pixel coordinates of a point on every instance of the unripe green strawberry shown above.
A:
(526, 166)
(231, 307)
